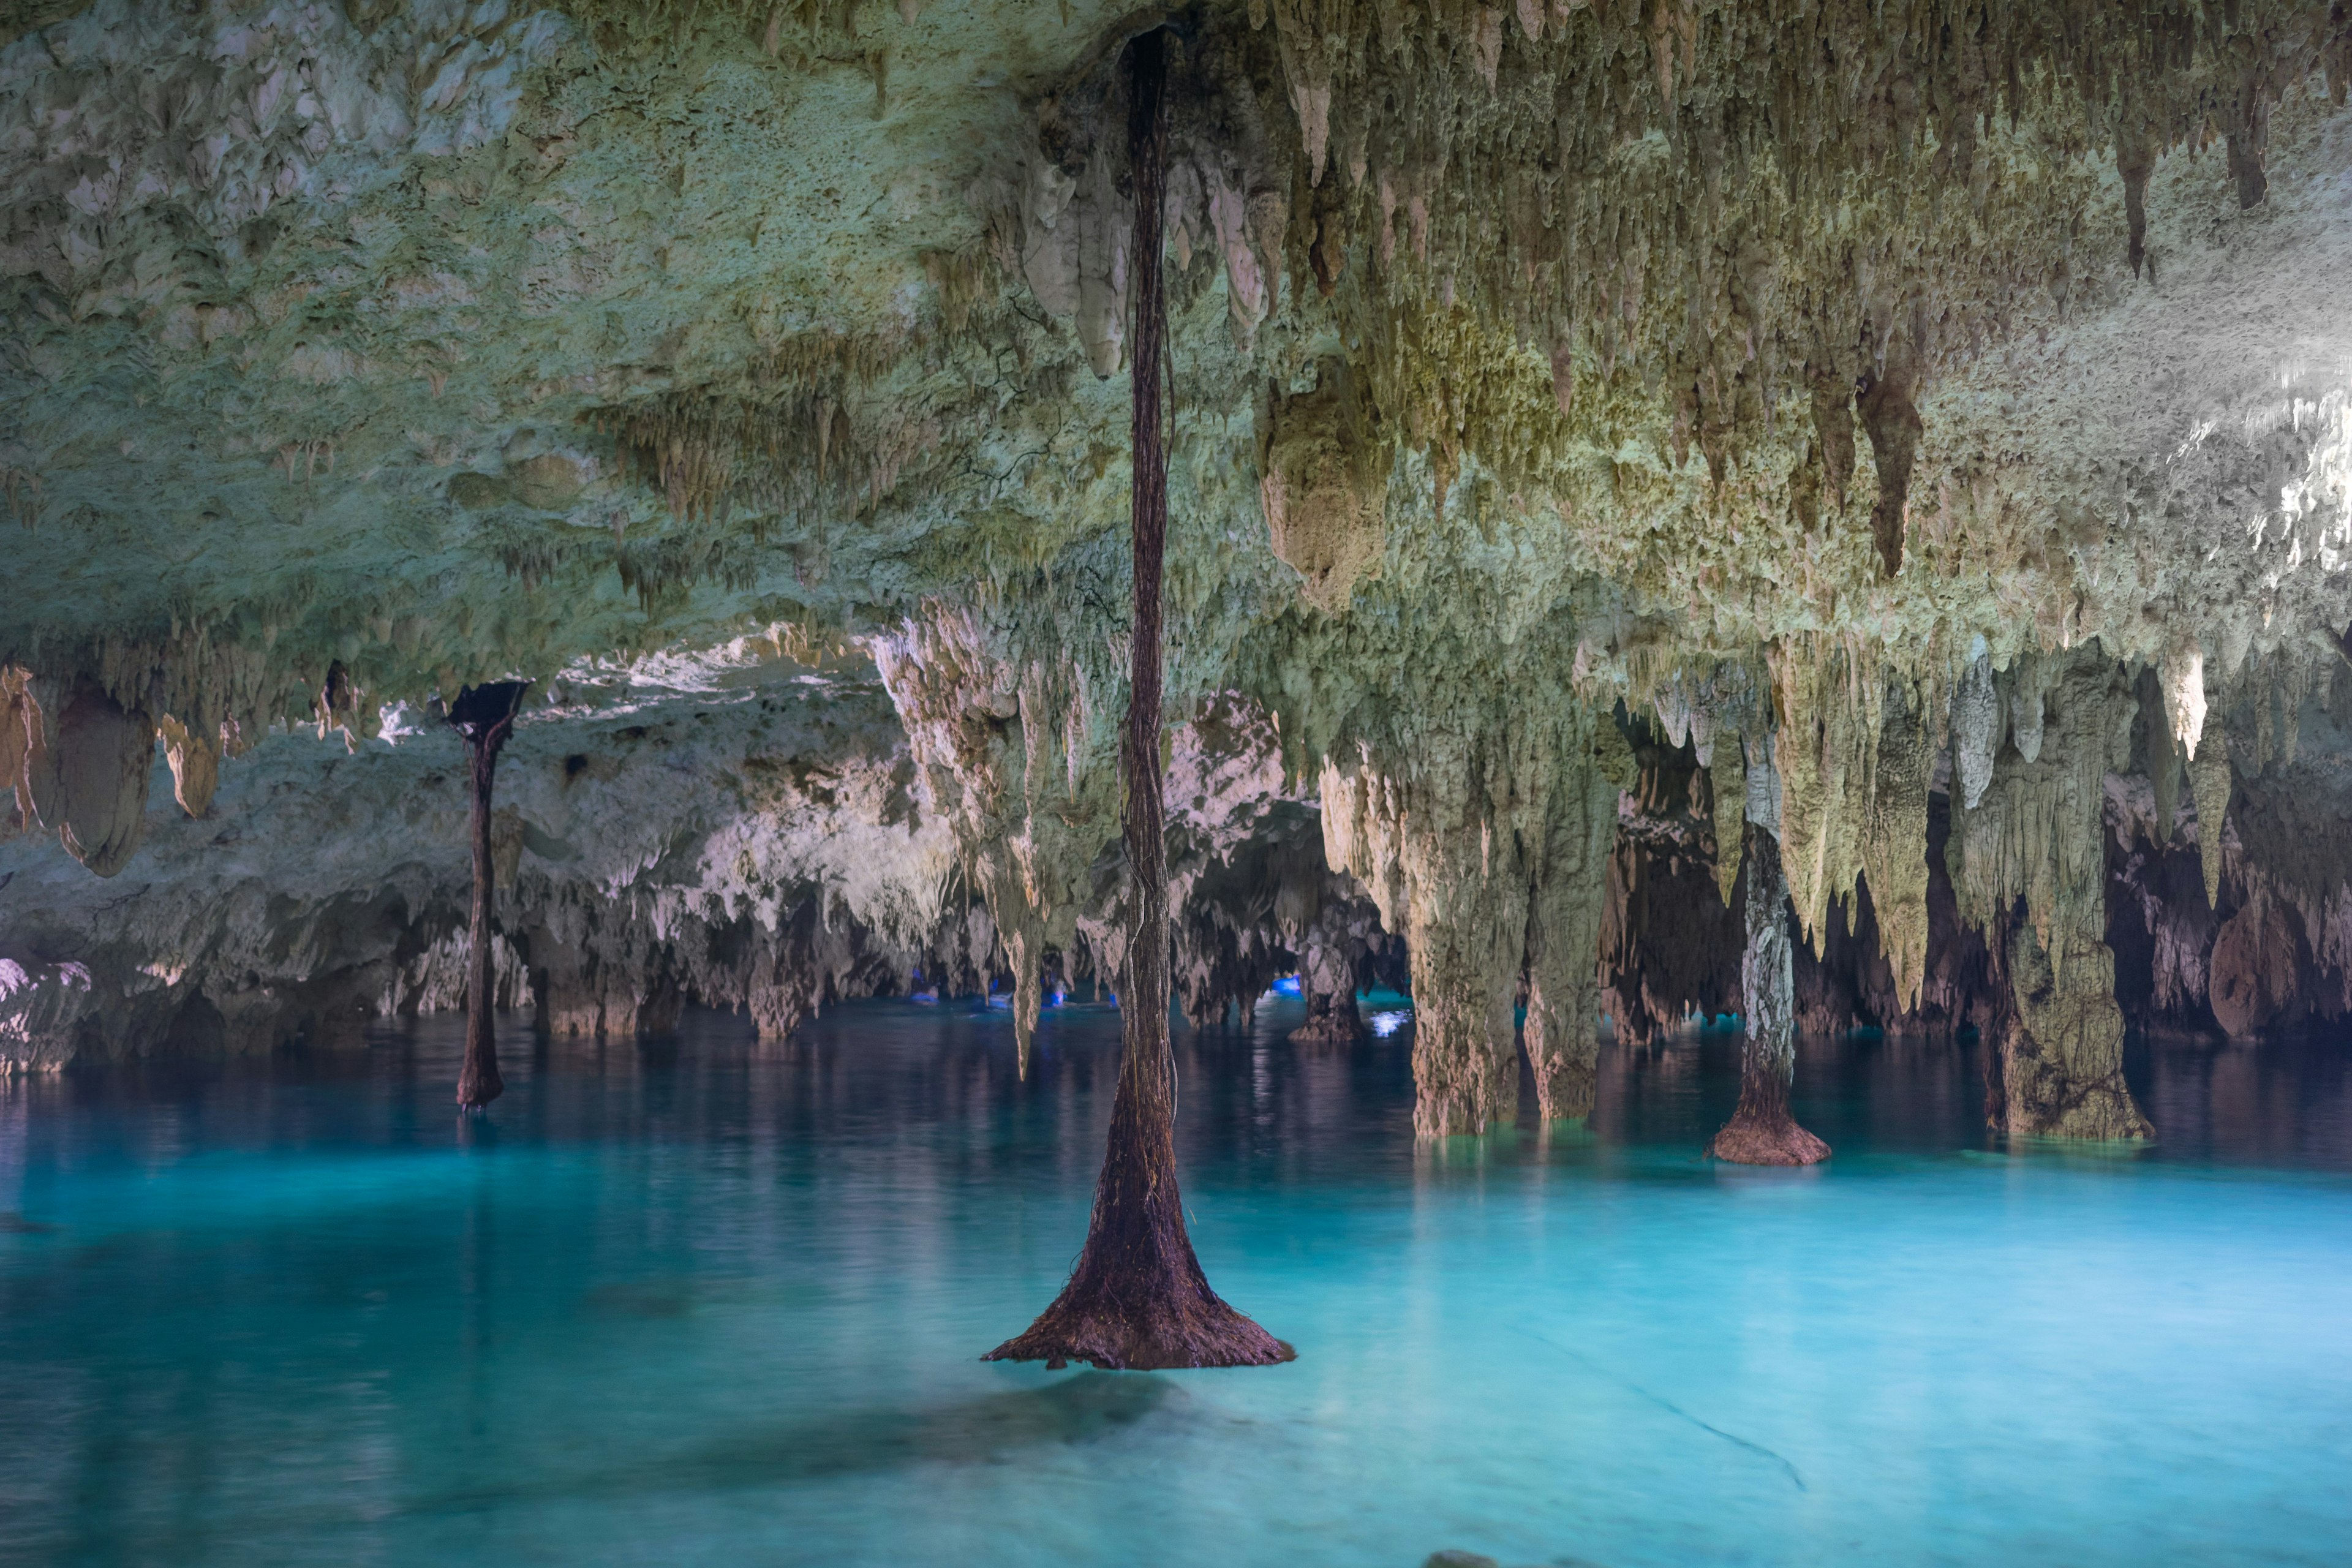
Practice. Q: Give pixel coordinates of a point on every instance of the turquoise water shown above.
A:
(708, 1303)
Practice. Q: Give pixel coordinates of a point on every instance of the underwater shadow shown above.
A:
(986, 1429)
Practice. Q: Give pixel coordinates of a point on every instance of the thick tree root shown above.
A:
(1755, 1137)
(1157, 1335)
(485, 716)
(1138, 1299)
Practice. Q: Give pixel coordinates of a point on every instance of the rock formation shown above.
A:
(1591, 427)
(1485, 851)
(765, 847)
(2028, 866)
(1762, 1131)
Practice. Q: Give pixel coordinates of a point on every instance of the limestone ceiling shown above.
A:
(444, 341)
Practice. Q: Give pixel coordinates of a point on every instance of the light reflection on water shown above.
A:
(704, 1301)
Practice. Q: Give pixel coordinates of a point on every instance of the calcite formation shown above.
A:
(1762, 1131)
(1923, 428)
(768, 847)
(2027, 861)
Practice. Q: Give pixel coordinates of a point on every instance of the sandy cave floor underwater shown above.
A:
(703, 1301)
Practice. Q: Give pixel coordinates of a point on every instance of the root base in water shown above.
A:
(1197, 1329)
(1751, 1139)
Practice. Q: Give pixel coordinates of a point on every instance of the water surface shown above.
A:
(708, 1302)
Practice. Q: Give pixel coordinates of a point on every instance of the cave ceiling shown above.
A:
(355, 353)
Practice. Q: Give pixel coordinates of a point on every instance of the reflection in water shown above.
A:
(710, 1300)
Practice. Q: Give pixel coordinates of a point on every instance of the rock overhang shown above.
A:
(1742, 366)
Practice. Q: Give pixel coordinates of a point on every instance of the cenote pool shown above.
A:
(702, 1301)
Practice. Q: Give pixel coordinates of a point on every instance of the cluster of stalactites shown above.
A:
(1486, 845)
(2027, 823)
(802, 435)
(2263, 694)
(77, 748)
(1022, 753)
(1848, 740)
(1856, 754)
(1748, 206)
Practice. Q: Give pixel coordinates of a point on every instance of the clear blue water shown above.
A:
(703, 1303)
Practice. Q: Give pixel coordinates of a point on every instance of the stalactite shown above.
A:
(1856, 754)
(1016, 749)
(1669, 943)
(83, 769)
(1324, 484)
(2208, 789)
(1728, 777)
(195, 759)
(1894, 425)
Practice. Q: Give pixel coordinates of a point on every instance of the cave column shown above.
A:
(1439, 850)
(1466, 935)
(1326, 983)
(2029, 867)
(1761, 1130)
(2062, 1048)
(484, 716)
(1566, 906)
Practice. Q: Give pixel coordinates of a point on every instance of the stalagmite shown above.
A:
(1138, 1297)
(485, 716)
(1762, 1131)
(1326, 983)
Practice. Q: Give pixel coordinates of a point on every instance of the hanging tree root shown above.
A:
(485, 716)
(1137, 1300)
(1762, 1131)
